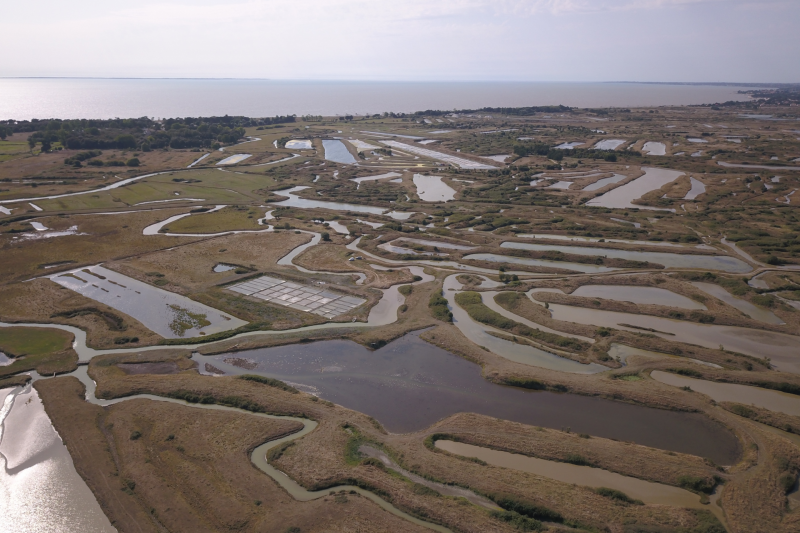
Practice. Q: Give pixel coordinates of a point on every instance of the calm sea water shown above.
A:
(26, 98)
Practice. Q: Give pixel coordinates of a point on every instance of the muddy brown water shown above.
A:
(410, 384)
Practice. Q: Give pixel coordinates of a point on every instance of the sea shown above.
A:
(103, 98)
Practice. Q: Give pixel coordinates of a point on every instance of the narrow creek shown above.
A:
(82, 513)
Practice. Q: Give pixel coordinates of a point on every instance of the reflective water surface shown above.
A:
(409, 384)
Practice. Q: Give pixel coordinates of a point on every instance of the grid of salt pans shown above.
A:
(300, 297)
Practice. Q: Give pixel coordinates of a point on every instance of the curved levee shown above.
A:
(259, 454)
(519, 353)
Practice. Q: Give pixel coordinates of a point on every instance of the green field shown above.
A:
(33, 341)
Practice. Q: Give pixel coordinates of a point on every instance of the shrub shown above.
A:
(522, 523)
(525, 383)
(697, 484)
(617, 495)
(575, 459)
(786, 481)
(686, 372)
(132, 162)
(438, 306)
(325, 236)
(742, 410)
(405, 290)
(135, 435)
(270, 382)
(530, 510)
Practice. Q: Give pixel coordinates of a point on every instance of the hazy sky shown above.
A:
(533, 40)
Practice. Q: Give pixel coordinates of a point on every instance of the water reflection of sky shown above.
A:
(410, 384)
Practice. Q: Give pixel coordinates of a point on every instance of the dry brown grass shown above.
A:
(199, 480)
(39, 300)
(108, 237)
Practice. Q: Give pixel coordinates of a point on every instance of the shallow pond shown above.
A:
(779, 347)
(459, 162)
(409, 384)
(40, 491)
(233, 159)
(299, 144)
(433, 189)
(609, 144)
(578, 267)
(756, 313)
(599, 184)
(568, 145)
(296, 201)
(337, 152)
(222, 267)
(732, 392)
(697, 189)
(166, 313)
(622, 197)
(654, 148)
(637, 295)
(710, 262)
(373, 178)
(647, 491)
(438, 244)
(593, 239)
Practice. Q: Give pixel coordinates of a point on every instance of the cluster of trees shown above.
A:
(524, 150)
(89, 156)
(555, 154)
(135, 133)
(517, 111)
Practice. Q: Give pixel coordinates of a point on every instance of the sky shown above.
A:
(420, 40)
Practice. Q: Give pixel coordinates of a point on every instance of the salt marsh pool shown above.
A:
(299, 144)
(438, 244)
(233, 159)
(599, 184)
(577, 267)
(409, 384)
(697, 189)
(360, 146)
(654, 148)
(756, 313)
(638, 295)
(459, 162)
(568, 145)
(433, 189)
(296, 201)
(377, 177)
(623, 197)
(724, 263)
(609, 144)
(170, 315)
(779, 347)
(586, 476)
(337, 152)
(773, 400)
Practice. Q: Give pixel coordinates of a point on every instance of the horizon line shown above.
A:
(717, 83)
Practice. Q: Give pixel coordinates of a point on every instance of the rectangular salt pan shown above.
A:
(295, 296)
